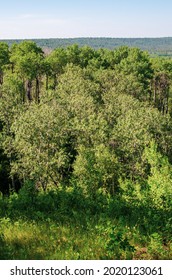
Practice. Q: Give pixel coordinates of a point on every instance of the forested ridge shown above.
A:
(155, 46)
(85, 153)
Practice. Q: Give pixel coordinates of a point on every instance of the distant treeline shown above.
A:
(158, 46)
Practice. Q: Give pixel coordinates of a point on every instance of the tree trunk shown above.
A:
(37, 90)
(46, 83)
(155, 93)
(166, 111)
(1, 77)
(28, 90)
(55, 82)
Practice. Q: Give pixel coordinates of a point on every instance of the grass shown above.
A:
(65, 225)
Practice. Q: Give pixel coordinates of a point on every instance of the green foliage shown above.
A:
(160, 179)
(26, 58)
(4, 57)
(156, 46)
(96, 168)
(40, 135)
(85, 143)
(119, 245)
(66, 224)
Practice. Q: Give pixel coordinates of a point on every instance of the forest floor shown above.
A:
(65, 225)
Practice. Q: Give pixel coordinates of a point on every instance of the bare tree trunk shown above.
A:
(55, 82)
(28, 90)
(37, 90)
(1, 77)
(46, 83)
(155, 92)
(12, 68)
(166, 111)
(23, 92)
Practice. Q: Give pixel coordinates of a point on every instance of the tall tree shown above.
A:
(56, 61)
(27, 60)
(161, 82)
(4, 59)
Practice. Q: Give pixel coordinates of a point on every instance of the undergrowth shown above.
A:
(66, 224)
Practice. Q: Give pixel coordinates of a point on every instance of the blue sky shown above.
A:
(21, 19)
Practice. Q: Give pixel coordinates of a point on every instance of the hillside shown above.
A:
(85, 154)
(160, 46)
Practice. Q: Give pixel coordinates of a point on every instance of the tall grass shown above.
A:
(65, 224)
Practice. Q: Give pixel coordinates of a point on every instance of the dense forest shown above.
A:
(85, 153)
(155, 46)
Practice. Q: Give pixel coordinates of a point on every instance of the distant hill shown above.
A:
(159, 46)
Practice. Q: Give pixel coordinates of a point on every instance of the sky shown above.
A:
(29, 19)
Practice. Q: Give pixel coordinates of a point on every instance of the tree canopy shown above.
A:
(88, 130)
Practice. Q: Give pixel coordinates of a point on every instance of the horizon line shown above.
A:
(73, 38)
